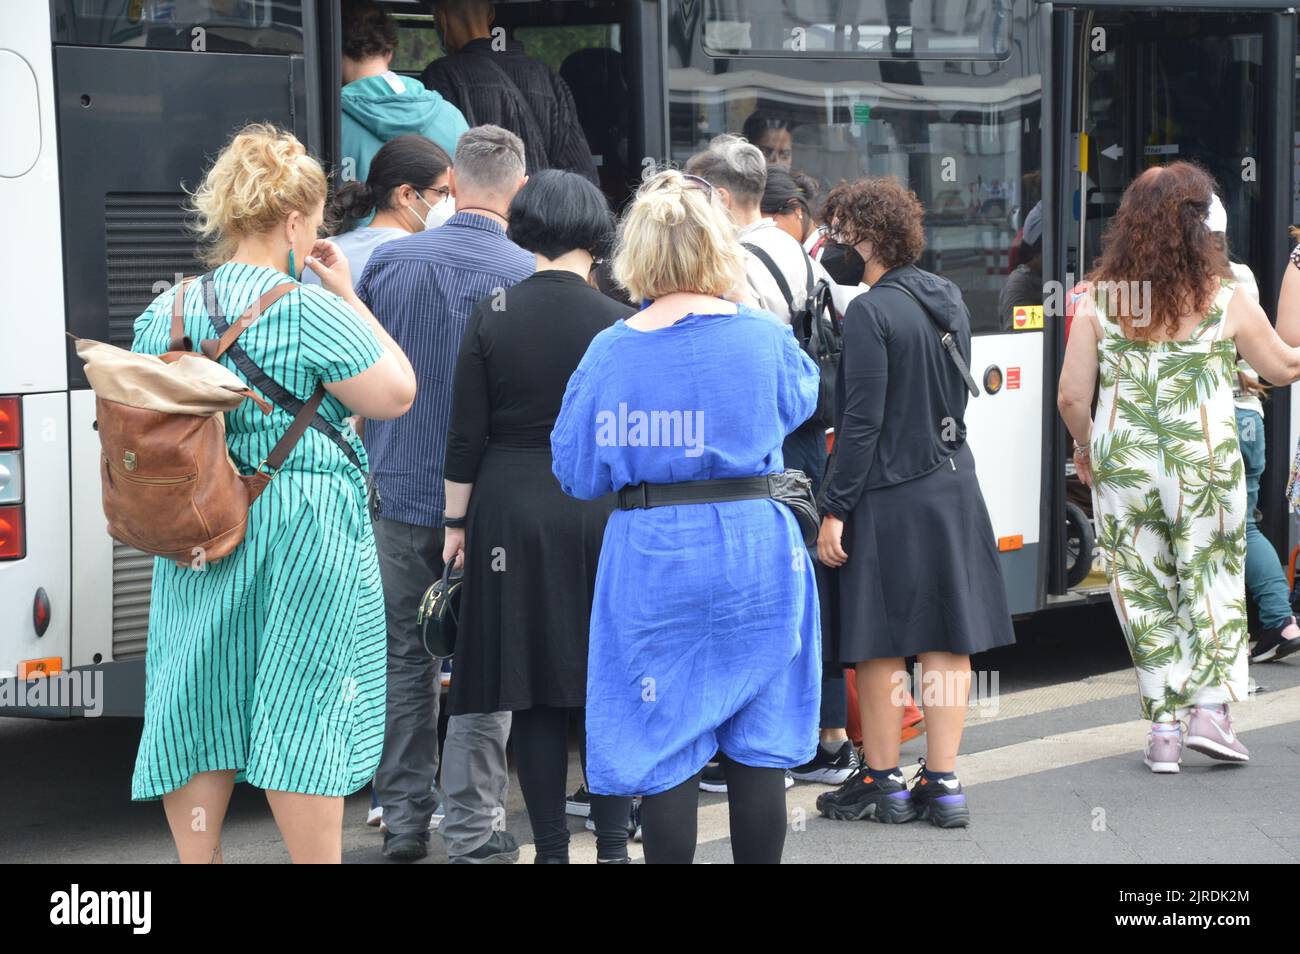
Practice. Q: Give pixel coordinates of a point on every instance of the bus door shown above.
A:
(606, 51)
(146, 93)
(948, 98)
(1150, 87)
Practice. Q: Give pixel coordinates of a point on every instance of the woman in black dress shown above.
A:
(904, 523)
(530, 550)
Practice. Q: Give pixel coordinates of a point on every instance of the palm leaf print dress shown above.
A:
(1170, 499)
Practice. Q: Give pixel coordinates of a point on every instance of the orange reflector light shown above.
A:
(11, 423)
(1014, 542)
(13, 535)
(32, 668)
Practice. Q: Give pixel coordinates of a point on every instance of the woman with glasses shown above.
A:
(704, 632)
(406, 192)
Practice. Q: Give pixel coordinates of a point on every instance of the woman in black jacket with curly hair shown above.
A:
(904, 523)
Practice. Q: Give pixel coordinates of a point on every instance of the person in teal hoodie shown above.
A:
(378, 104)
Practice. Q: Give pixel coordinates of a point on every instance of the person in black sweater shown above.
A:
(530, 551)
(904, 522)
(496, 83)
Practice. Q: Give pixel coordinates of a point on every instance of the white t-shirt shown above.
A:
(789, 256)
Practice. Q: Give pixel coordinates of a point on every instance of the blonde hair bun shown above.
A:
(262, 175)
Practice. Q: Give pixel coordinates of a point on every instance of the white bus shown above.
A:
(989, 109)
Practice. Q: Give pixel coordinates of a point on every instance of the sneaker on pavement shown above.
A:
(410, 846)
(375, 817)
(941, 800)
(789, 779)
(863, 795)
(1164, 751)
(829, 768)
(439, 813)
(1277, 643)
(579, 803)
(713, 778)
(500, 849)
(1210, 733)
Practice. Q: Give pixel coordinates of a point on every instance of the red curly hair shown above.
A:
(1158, 237)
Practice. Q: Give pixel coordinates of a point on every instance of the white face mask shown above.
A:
(438, 213)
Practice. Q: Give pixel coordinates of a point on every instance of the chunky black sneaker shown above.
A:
(1274, 644)
(411, 846)
(942, 801)
(828, 768)
(500, 849)
(864, 795)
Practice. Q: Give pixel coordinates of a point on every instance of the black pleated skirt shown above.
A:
(922, 574)
(531, 553)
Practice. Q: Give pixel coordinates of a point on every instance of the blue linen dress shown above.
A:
(704, 628)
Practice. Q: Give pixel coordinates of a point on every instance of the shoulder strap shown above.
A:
(771, 266)
(214, 348)
(180, 340)
(304, 413)
(945, 338)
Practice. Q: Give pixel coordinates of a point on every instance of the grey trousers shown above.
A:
(475, 779)
(410, 559)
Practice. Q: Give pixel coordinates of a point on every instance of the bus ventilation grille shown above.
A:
(132, 576)
(147, 243)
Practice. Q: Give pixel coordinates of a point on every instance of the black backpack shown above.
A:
(815, 328)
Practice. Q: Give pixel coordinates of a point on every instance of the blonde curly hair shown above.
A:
(676, 237)
(262, 175)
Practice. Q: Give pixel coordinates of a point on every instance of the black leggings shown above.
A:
(756, 798)
(540, 739)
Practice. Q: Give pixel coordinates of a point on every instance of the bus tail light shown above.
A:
(13, 533)
(41, 611)
(11, 423)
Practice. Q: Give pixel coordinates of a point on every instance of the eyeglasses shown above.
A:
(695, 182)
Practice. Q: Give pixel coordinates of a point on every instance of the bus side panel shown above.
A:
(92, 547)
(1005, 432)
(46, 493)
(32, 345)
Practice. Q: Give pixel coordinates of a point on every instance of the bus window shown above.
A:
(964, 148)
(921, 28)
(211, 26)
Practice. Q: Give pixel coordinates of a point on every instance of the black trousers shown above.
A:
(540, 739)
(756, 798)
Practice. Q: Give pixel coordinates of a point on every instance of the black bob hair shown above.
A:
(556, 212)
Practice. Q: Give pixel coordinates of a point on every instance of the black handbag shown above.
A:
(439, 613)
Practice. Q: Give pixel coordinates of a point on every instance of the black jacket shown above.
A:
(509, 89)
(900, 400)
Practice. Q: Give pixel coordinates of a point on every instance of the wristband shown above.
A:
(454, 523)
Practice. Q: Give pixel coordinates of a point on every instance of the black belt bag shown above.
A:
(792, 488)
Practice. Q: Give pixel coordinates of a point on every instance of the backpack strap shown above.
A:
(214, 348)
(771, 266)
(304, 413)
(180, 340)
(945, 338)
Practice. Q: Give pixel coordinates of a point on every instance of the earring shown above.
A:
(292, 274)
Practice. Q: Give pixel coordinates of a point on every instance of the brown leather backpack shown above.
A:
(170, 486)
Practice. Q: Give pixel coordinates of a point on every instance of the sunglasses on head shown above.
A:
(695, 182)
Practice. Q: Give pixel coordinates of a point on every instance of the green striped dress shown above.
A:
(272, 662)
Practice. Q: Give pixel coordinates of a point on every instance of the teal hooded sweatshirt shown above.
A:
(375, 112)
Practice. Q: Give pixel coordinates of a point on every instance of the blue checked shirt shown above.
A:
(422, 288)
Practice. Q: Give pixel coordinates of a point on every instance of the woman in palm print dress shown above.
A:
(1154, 340)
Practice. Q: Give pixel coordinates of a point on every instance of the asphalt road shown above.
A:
(1053, 771)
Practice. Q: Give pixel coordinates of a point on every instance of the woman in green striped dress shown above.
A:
(269, 666)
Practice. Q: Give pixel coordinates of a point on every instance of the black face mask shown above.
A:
(843, 263)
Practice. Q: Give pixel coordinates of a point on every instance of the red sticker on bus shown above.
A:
(1013, 379)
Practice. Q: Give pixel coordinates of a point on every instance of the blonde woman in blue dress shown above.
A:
(269, 665)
